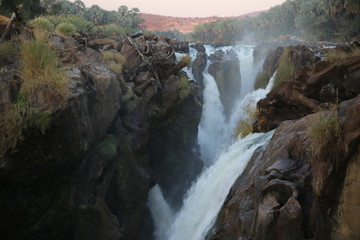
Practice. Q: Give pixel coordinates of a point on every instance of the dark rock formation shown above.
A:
(315, 88)
(88, 176)
(199, 47)
(284, 193)
(289, 190)
(225, 68)
(198, 67)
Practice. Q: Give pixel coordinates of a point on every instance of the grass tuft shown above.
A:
(338, 54)
(40, 68)
(326, 136)
(108, 146)
(185, 87)
(115, 60)
(42, 23)
(285, 70)
(67, 29)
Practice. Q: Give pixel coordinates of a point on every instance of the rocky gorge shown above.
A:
(120, 132)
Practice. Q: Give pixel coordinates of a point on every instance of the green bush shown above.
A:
(185, 87)
(43, 23)
(80, 23)
(113, 29)
(326, 135)
(66, 29)
(262, 80)
(285, 70)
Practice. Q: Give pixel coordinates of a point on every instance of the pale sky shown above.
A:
(189, 8)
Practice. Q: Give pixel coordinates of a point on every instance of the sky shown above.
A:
(189, 8)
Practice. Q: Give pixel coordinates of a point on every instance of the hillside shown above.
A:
(183, 24)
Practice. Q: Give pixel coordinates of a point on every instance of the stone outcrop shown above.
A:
(88, 176)
(315, 88)
(225, 68)
(289, 190)
(199, 64)
(284, 193)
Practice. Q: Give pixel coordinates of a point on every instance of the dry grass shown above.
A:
(326, 136)
(115, 60)
(18, 117)
(40, 67)
(40, 70)
(245, 125)
(337, 54)
(285, 70)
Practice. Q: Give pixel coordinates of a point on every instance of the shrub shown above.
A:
(43, 23)
(286, 69)
(262, 80)
(40, 68)
(186, 60)
(114, 29)
(115, 60)
(79, 22)
(66, 29)
(185, 87)
(326, 135)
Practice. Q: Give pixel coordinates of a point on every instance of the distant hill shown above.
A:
(183, 24)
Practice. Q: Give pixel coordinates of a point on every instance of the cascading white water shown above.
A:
(204, 199)
(206, 196)
(245, 56)
(161, 212)
(212, 127)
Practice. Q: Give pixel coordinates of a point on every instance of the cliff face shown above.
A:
(88, 175)
(298, 186)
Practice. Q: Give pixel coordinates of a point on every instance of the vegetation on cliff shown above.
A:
(309, 19)
(41, 73)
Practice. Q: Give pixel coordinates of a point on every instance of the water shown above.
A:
(206, 196)
(212, 127)
(224, 161)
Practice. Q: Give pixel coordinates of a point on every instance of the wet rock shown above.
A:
(198, 67)
(199, 47)
(225, 68)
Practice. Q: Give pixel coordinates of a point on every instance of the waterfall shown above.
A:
(212, 125)
(206, 196)
(161, 212)
(224, 162)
